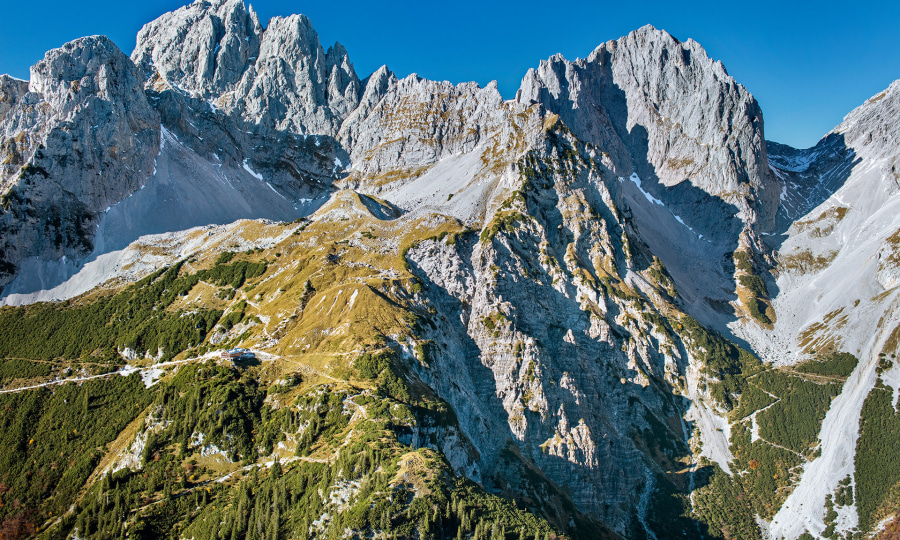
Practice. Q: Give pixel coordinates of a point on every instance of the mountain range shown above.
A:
(605, 308)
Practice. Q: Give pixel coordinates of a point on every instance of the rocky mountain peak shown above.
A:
(871, 128)
(86, 68)
(664, 110)
(295, 84)
(292, 38)
(278, 78)
(202, 48)
(82, 138)
(87, 84)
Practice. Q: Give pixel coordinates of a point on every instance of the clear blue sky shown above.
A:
(808, 63)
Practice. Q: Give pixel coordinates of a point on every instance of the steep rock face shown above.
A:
(559, 362)
(245, 99)
(12, 93)
(83, 138)
(279, 78)
(664, 110)
(299, 166)
(253, 105)
(295, 85)
(374, 88)
(434, 145)
(11, 90)
(405, 126)
(203, 48)
(870, 129)
(809, 176)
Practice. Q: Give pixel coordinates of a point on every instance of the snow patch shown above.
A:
(637, 181)
(352, 299)
(891, 378)
(679, 220)
(797, 163)
(254, 173)
(275, 190)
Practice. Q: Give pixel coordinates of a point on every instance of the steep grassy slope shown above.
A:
(318, 437)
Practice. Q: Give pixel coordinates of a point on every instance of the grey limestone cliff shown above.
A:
(203, 48)
(295, 84)
(560, 363)
(416, 122)
(666, 111)
(277, 78)
(81, 139)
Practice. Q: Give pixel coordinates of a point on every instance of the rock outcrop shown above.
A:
(277, 78)
(81, 139)
(664, 110)
(534, 332)
(407, 125)
(203, 48)
(295, 85)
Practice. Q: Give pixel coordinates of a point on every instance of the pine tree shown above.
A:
(235, 533)
(386, 522)
(274, 525)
